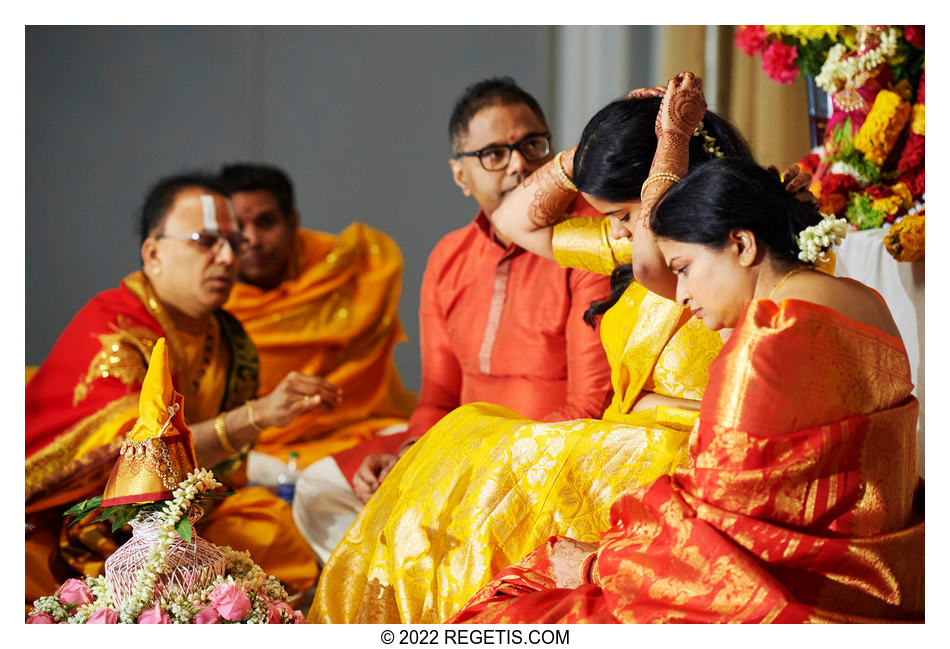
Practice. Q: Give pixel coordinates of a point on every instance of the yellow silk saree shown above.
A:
(485, 486)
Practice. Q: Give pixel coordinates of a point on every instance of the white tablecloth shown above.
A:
(862, 256)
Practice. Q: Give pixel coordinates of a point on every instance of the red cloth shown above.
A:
(798, 505)
(504, 326)
(49, 394)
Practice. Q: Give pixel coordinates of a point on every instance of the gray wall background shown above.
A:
(356, 115)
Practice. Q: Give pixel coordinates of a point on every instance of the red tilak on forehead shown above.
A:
(511, 138)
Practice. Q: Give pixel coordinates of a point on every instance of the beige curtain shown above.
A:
(773, 117)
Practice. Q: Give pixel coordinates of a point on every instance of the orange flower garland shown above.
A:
(905, 241)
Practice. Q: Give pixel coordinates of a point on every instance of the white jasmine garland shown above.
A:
(51, 605)
(815, 239)
(836, 71)
(240, 570)
(845, 169)
(142, 594)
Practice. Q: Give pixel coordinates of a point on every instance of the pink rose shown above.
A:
(74, 591)
(298, 618)
(40, 618)
(232, 602)
(273, 613)
(207, 615)
(778, 61)
(154, 616)
(751, 39)
(104, 616)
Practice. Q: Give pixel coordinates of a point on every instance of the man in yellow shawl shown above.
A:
(321, 304)
(84, 398)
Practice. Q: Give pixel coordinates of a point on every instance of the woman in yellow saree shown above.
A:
(484, 486)
(801, 501)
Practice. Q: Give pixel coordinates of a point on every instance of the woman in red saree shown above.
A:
(802, 501)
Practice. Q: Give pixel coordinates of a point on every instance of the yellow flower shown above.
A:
(805, 33)
(890, 205)
(905, 241)
(882, 127)
(917, 119)
(902, 190)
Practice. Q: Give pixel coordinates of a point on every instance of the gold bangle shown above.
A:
(586, 564)
(250, 416)
(220, 427)
(664, 175)
(564, 181)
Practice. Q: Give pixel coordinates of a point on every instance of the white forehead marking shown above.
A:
(232, 217)
(210, 214)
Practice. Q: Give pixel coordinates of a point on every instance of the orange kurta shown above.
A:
(500, 325)
(798, 504)
(336, 317)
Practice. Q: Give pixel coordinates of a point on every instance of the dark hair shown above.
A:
(246, 177)
(724, 195)
(488, 92)
(614, 156)
(162, 194)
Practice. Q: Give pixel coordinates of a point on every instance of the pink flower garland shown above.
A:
(778, 61)
(751, 39)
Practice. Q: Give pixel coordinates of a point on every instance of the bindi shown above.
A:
(511, 138)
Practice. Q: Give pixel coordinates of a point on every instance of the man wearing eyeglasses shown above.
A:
(84, 397)
(497, 324)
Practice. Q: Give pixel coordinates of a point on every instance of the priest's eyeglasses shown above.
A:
(495, 157)
(209, 240)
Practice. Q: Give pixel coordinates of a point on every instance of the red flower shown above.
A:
(920, 89)
(778, 61)
(914, 35)
(751, 39)
(914, 181)
(834, 204)
(838, 184)
(878, 191)
(913, 154)
(810, 163)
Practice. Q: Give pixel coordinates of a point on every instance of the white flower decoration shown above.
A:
(815, 239)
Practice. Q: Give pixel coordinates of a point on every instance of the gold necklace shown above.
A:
(782, 281)
(206, 355)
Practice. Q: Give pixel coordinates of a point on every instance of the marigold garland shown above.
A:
(870, 166)
(883, 126)
(905, 240)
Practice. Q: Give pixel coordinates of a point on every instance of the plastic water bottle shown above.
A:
(287, 480)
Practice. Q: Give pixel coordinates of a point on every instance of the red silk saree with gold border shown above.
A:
(798, 504)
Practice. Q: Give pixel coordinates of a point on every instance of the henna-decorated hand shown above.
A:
(644, 93)
(567, 556)
(567, 161)
(797, 183)
(550, 196)
(683, 106)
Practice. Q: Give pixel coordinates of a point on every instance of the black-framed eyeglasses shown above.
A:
(534, 147)
(209, 240)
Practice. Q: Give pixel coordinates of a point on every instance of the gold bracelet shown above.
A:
(564, 181)
(663, 175)
(586, 567)
(220, 427)
(250, 416)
